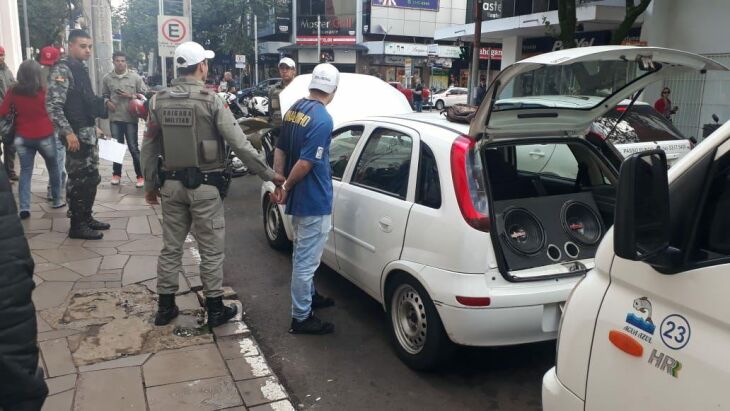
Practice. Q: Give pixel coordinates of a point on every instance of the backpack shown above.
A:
(460, 113)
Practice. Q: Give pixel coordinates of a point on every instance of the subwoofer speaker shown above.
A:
(539, 231)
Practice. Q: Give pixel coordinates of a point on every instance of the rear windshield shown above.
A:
(640, 124)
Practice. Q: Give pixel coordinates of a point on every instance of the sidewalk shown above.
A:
(95, 303)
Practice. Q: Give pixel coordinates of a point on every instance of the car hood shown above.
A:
(564, 91)
(357, 96)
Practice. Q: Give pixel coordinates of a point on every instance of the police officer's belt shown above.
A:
(192, 178)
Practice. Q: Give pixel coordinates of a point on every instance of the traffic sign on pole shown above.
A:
(171, 32)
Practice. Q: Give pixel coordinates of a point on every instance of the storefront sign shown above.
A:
(491, 9)
(433, 49)
(343, 25)
(326, 40)
(406, 49)
(534, 46)
(395, 60)
(432, 5)
(487, 53)
(451, 52)
(283, 24)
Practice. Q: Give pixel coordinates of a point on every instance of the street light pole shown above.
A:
(163, 59)
(319, 39)
(28, 48)
(256, 48)
(474, 72)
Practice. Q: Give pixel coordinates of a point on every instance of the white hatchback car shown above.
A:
(449, 97)
(471, 234)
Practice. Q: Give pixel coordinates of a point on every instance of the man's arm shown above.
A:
(140, 86)
(279, 161)
(59, 82)
(232, 133)
(105, 89)
(151, 150)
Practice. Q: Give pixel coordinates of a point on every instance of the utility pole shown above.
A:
(474, 71)
(163, 59)
(256, 49)
(319, 39)
(28, 48)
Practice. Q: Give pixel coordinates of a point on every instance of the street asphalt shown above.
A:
(356, 368)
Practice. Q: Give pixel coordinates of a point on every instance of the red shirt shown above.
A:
(31, 119)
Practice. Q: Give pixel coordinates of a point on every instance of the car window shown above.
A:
(639, 125)
(713, 232)
(385, 163)
(341, 148)
(555, 160)
(429, 186)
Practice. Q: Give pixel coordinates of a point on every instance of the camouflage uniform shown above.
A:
(82, 166)
(275, 107)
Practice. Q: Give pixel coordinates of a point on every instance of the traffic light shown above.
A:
(465, 52)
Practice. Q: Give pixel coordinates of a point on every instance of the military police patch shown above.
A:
(180, 117)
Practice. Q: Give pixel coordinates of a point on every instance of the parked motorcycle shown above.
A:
(258, 132)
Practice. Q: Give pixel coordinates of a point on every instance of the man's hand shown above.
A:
(151, 197)
(72, 142)
(278, 179)
(111, 106)
(280, 195)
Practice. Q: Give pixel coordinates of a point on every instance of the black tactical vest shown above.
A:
(80, 99)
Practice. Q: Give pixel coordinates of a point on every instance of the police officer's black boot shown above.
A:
(81, 230)
(95, 224)
(166, 309)
(219, 314)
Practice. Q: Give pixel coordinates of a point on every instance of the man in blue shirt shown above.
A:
(302, 154)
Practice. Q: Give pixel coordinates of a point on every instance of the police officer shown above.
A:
(189, 127)
(73, 108)
(287, 72)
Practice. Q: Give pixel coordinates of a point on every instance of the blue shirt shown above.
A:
(305, 134)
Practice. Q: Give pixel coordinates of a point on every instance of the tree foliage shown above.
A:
(47, 20)
(568, 20)
(224, 26)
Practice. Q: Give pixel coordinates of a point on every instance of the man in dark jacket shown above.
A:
(22, 387)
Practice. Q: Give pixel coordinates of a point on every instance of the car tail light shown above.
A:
(468, 176)
(474, 301)
(621, 108)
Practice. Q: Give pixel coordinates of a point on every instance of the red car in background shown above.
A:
(406, 91)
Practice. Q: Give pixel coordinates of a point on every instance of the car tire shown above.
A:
(440, 105)
(416, 330)
(274, 226)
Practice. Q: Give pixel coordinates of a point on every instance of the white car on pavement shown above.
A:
(449, 97)
(468, 234)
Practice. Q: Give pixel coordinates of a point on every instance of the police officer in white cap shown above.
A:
(302, 154)
(287, 72)
(188, 129)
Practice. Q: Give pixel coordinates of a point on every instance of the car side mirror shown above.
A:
(642, 222)
(715, 118)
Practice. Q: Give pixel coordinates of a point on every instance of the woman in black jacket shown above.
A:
(22, 387)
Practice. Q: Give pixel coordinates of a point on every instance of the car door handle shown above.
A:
(385, 224)
(537, 153)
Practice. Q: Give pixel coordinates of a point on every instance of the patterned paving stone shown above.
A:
(84, 267)
(201, 362)
(61, 384)
(260, 391)
(113, 262)
(200, 395)
(105, 251)
(149, 244)
(60, 274)
(65, 254)
(59, 402)
(139, 268)
(41, 267)
(246, 368)
(283, 405)
(237, 347)
(50, 294)
(131, 361)
(118, 389)
(56, 334)
(57, 357)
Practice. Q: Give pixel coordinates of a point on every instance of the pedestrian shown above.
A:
(418, 95)
(119, 87)
(452, 81)
(48, 57)
(228, 81)
(287, 72)
(302, 154)
(73, 108)
(664, 105)
(481, 91)
(22, 386)
(7, 148)
(189, 127)
(33, 133)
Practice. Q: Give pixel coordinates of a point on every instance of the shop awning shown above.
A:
(294, 47)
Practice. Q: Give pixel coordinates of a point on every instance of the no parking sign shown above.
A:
(171, 32)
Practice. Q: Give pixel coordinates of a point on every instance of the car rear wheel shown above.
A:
(274, 226)
(440, 105)
(416, 329)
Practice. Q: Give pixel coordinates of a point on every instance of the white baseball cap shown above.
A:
(325, 77)
(287, 62)
(191, 53)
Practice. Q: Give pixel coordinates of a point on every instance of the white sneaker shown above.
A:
(116, 180)
(140, 182)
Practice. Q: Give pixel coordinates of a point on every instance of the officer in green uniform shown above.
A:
(287, 71)
(187, 132)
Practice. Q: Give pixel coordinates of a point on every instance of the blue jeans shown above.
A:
(61, 157)
(419, 105)
(310, 236)
(122, 131)
(27, 149)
